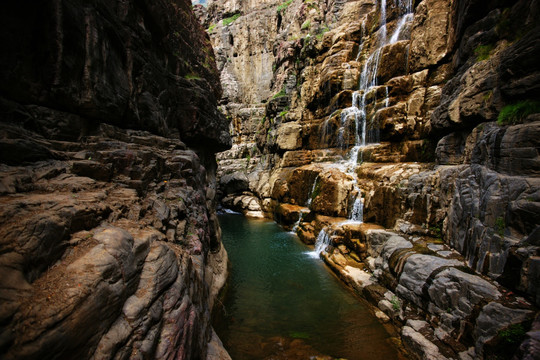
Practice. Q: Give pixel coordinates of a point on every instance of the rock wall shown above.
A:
(428, 81)
(110, 245)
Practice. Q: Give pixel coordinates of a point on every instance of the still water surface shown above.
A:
(282, 303)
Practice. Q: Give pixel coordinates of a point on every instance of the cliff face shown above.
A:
(386, 112)
(110, 243)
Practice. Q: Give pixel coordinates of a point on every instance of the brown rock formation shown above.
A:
(436, 163)
(110, 245)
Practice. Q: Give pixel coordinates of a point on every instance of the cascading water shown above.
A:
(382, 30)
(356, 116)
(367, 83)
(308, 204)
(323, 240)
(357, 213)
(361, 47)
(403, 23)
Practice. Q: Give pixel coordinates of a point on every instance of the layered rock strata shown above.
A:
(385, 111)
(110, 245)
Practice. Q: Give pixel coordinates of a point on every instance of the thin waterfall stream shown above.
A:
(282, 303)
(356, 116)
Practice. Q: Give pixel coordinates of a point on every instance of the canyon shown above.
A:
(381, 132)
(399, 138)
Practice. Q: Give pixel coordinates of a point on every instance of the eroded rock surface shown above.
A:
(110, 245)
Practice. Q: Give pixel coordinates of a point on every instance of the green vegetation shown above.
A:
(487, 96)
(281, 93)
(192, 76)
(310, 4)
(228, 21)
(284, 6)
(395, 303)
(284, 112)
(306, 25)
(482, 52)
(211, 28)
(322, 31)
(513, 334)
(500, 225)
(436, 230)
(516, 113)
(421, 248)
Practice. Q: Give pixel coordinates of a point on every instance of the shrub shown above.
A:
(500, 226)
(230, 20)
(284, 6)
(482, 52)
(211, 28)
(516, 113)
(513, 334)
(395, 303)
(306, 25)
(192, 76)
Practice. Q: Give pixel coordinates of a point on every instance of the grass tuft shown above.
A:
(483, 52)
(284, 6)
(516, 113)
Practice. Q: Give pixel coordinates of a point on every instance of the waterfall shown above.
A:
(361, 47)
(323, 240)
(382, 34)
(308, 204)
(357, 213)
(356, 116)
(405, 20)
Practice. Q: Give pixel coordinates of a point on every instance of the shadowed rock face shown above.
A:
(110, 245)
(137, 64)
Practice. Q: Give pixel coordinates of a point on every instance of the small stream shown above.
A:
(283, 303)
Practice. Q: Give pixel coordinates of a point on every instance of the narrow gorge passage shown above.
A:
(283, 303)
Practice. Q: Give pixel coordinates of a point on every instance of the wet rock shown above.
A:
(332, 197)
(92, 169)
(518, 75)
(216, 351)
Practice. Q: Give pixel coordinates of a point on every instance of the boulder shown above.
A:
(289, 136)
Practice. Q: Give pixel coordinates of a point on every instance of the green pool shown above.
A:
(283, 303)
